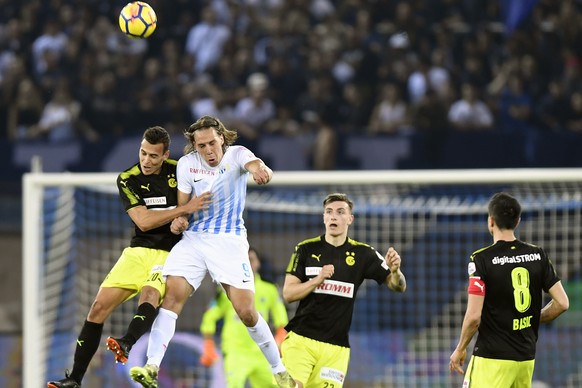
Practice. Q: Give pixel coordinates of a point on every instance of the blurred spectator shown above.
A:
(319, 97)
(470, 113)
(60, 120)
(25, 111)
(572, 69)
(552, 111)
(256, 109)
(430, 121)
(515, 106)
(209, 100)
(283, 123)
(353, 111)
(51, 44)
(285, 82)
(429, 116)
(323, 149)
(390, 115)
(574, 115)
(424, 77)
(102, 109)
(206, 40)
(535, 82)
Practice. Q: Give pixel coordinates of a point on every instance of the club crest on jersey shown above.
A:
(350, 259)
(224, 169)
(471, 268)
(172, 181)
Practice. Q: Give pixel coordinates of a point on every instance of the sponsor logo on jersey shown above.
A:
(200, 171)
(146, 187)
(332, 374)
(516, 259)
(335, 287)
(316, 257)
(155, 201)
(312, 271)
(350, 259)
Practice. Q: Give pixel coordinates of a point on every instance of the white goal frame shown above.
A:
(33, 184)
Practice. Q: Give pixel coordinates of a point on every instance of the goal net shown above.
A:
(75, 228)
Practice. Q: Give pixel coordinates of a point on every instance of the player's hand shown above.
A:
(262, 175)
(457, 361)
(209, 354)
(393, 260)
(178, 225)
(200, 202)
(280, 335)
(325, 273)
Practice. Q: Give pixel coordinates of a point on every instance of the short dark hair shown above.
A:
(157, 135)
(338, 197)
(505, 210)
(206, 122)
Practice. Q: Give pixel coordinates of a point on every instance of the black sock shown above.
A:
(142, 322)
(87, 345)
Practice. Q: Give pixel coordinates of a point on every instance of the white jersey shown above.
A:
(228, 184)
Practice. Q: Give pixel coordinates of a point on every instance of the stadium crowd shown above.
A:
(315, 70)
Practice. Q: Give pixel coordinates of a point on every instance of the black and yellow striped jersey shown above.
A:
(155, 191)
(514, 274)
(326, 314)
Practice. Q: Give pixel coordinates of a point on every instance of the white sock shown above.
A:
(261, 334)
(162, 332)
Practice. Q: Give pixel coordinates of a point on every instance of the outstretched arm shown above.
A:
(262, 174)
(396, 280)
(557, 305)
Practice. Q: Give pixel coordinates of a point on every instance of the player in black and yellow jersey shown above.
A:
(506, 281)
(324, 275)
(148, 191)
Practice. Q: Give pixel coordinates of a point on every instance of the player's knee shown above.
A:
(173, 303)
(99, 312)
(150, 295)
(248, 316)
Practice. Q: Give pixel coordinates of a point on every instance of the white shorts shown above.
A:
(224, 256)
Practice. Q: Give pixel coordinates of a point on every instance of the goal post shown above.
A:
(74, 228)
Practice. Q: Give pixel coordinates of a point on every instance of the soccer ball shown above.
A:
(137, 20)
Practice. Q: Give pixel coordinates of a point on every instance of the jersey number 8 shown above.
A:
(521, 294)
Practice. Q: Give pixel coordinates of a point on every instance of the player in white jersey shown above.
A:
(213, 241)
